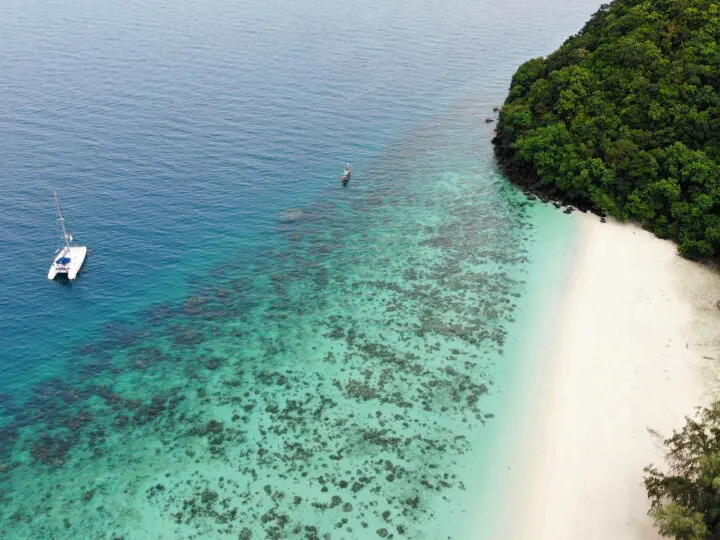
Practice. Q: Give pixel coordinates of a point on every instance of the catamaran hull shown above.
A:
(68, 262)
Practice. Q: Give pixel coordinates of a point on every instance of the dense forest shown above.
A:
(625, 118)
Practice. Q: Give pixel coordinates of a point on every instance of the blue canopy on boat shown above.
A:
(63, 260)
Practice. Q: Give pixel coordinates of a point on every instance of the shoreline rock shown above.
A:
(534, 189)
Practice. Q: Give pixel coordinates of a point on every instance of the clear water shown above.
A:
(252, 350)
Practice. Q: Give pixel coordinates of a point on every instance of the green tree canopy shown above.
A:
(625, 117)
(685, 500)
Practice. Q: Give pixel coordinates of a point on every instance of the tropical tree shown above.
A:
(685, 500)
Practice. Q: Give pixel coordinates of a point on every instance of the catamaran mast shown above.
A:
(66, 236)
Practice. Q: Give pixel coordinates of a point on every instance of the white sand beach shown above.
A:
(636, 350)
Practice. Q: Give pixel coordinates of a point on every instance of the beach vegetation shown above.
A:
(624, 118)
(685, 499)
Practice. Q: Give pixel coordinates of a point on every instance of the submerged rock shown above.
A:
(194, 305)
(51, 450)
(291, 214)
(208, 496)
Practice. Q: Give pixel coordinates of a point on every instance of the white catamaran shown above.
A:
(68, 258)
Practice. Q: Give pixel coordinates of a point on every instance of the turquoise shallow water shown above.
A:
(251, 350)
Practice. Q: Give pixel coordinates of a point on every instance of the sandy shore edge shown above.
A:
(635, 350)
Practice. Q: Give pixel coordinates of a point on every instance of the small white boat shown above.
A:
(69, 258)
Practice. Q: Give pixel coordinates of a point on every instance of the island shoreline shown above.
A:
(626, 362)
(528, 182)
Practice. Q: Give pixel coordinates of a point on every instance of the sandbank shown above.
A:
(633, 352)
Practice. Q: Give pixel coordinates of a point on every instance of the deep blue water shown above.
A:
(176, 134)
